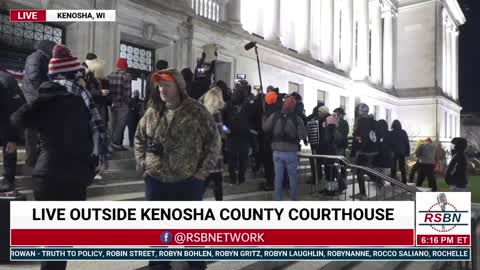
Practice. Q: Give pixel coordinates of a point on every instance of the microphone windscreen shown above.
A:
(250, 45)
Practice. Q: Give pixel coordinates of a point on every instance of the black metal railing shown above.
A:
(385, 188)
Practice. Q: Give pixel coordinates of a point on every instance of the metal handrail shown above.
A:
(370, 171)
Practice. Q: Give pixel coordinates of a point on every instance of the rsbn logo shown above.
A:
(443, 216)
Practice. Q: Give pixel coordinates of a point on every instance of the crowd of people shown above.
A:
(185, 130)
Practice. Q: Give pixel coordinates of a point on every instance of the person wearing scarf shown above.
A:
(67, 71)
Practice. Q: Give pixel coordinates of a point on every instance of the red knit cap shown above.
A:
(63, 63)
(271, 98)
(289, 104)
(122, 63)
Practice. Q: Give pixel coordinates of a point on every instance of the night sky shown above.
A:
(469, 57)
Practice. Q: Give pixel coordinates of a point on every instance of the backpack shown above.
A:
(284, 136)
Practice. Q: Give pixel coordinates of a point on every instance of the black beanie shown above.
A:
(91, 56)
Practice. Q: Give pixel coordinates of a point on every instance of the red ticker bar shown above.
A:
(245, 237)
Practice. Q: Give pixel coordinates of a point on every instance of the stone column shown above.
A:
(388, 50)
(275, 35)
(234, 13)
(306, 47)
(327, 31)
(377, 42)
(361, 46)
(455, 65)
(449, 60)
(337, 10)
(347, 35)
(363, 37)
(444, 51)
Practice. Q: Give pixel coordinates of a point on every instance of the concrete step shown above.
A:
(134, 189)
(21, 155)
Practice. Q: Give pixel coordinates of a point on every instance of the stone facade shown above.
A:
(411, 74)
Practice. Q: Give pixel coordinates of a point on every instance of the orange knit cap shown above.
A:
(271, 98)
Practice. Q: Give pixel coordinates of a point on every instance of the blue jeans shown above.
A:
(281, 161)
(190, 189)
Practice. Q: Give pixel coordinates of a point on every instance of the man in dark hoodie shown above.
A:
(401, 150)
(456, 176)
(11, 98)
(237, 116)
(36, 72)
(364, 147)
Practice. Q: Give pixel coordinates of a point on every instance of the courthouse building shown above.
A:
(398, 56)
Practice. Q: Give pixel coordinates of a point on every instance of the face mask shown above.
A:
(452, 146)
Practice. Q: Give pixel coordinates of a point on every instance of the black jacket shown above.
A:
(401, 144)
(328, 145)
(62, 121)
(364, 141)
(36, 69)
(237, 118)
(384, 157)
(457, 168)
(457, 171)
(11, 99)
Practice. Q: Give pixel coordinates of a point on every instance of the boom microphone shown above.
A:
(250, 45)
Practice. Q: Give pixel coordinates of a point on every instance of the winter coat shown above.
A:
(94, 86)
(329, 145)
(36, 69)
(237, 118)
(401, 144)
(457, 171)
(342, 134)
(135, 107)
(11, 99)
(191, 143)
(364, 142)
(384, 157)
(62, 121)
(219, 123)
(427, 153)
(457, 168)
(283, 126)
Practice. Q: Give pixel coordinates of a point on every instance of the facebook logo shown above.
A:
(166, 237)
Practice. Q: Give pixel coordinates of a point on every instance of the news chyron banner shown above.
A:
(235, 230)
(51, 15)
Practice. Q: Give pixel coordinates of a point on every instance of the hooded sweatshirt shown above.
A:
(457, 168)
(36, 69)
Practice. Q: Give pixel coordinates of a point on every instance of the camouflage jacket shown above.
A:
(191, 143)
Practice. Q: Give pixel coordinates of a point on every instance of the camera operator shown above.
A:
(177, 144)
